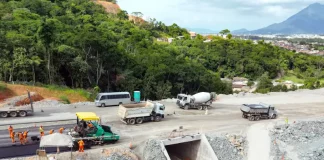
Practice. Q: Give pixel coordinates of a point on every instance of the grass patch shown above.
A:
(65, 100)
(70, 91)
(3, 87)
(292, 78)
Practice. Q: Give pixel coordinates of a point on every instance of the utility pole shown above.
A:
(31, 101)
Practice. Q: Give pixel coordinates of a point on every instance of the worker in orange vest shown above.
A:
(25, 134)
(61, 130)
(10, 129)
(21, 138)
(12, 136)
(41, 131)
(81, 146)
(51, 131)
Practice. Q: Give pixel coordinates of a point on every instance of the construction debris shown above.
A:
(303, 140)
(153, 150)
(229, 147)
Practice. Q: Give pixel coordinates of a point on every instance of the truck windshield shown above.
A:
(98, 96)
(162, 108)
(179, 97)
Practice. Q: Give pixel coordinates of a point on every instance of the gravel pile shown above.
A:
(304, 140)
(153, 151)
(225, 149)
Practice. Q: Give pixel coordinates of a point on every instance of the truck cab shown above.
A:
(159, 109)
(183, 99)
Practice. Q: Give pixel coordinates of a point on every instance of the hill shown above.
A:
(78, 44)
(109, 6)
(308, 21)
(240, 31)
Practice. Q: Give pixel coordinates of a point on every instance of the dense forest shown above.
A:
(77, 44)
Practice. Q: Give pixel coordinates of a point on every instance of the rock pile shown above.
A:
(304, 140)
(153, 151)
(229, 147)
(118, 154)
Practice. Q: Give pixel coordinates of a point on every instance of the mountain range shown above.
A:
(308, 21)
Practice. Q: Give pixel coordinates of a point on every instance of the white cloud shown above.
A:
(276, 10)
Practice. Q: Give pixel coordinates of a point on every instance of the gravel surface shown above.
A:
(303, 140)
(223, 148)
(153, 151)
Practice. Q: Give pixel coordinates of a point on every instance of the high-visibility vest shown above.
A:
(81, 143)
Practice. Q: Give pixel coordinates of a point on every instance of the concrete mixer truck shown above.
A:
(200, 101)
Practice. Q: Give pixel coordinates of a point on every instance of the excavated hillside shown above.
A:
(109, 6)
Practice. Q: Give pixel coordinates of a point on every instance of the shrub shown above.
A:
(65, 100)
(2, 86)
(263, 91)
(293, 88)
(277, 88)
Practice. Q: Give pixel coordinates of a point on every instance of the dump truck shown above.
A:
(200, 101)
(137, 113)
(255, 112)
(15, 111)
(91, 131)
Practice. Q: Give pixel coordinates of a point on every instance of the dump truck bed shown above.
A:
(135, 110)
(254, 108)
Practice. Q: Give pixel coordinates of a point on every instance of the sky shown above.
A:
(217, 15)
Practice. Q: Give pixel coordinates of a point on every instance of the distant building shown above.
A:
(193, 35)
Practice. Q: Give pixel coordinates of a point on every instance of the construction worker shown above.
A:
(51, 131)
(12, 136)
(21, 138)
(81, 146)
(90, 125)
(25, 134)
(61, 130)
(41, 131)
(10, 129)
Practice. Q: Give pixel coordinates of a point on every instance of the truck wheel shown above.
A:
(251, 118)
(3, 114)
(13, 114)
(157, 118)
(186, 107)
(22, 114)
(205, 107)
(274, 116)
(243, 116)
(139, 120)
(257, 118)
(132, 121)
(103, 105)
(200, 107)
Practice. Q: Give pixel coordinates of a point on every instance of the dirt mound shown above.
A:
(109, 7)
(35, 97)
(22, 100)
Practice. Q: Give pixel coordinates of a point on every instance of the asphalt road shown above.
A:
(8, 149)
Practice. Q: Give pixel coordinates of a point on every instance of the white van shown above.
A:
(112, 99)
